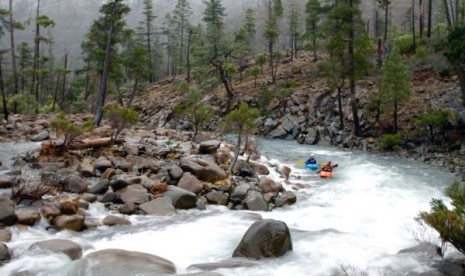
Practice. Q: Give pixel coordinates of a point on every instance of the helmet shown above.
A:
(312, 155)
(329, 162)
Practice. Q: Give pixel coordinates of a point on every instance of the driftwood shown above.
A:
(80, 145)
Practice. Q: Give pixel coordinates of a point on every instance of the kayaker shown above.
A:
(328, 167)
(311, 160)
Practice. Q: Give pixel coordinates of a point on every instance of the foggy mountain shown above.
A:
(74, 17)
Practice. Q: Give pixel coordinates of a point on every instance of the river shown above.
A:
(358, 220)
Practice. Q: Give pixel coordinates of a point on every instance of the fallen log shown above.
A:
(80, 145)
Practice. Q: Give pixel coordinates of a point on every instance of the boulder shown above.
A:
(119, 184)
(73, 222)
(44, 135)
(190, 183)
(239, 193)
(86, 168)
(5, 235)
(120, 262)
(6, 182)
(217, 197)
(4, 253)
(268, 185)
(100, 187)
(50, 212)
(312, 137)
(67, 247)
(102, 164)
(91, 198)
(7, 212)
(68, 205)
(134, 194)
(175, 172)
(119, 163)
(180, 198)
(161, 206)
(111, 197)
(278, 133)
(285, 171)
(74, 184)
(51, 181)
(209, 147)
(265, 239)
(147, 165)
(255, 201)
(188, 165)
(425, 248)
(28, 217)
(127, 209)
(243, 169)
(212, 173)
(260, 168)
(115, 220)
(230, 263)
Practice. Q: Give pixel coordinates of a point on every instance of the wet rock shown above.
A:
(7, 212)
(102, 164)
(67, 247)
(74, 184)
(115, 220)
(68, 205)
(4, 253)
(111, 197)
(135, 194)
(100, 187)
(50, 212)
(217, 197)
(109, 261)
(161, 206)
(240, 192)
(180, 198)
(190, 183)
(288, 198)
(425, 248)
(243, 169)
(265, 239)
(28, 217)
(44, 135)
(127, 209)
(5, 235)
(209, 147)
(91, 198)
(6, 182)
(268, 185)
(285, 171)
(231, 263)
(260, 168)
(74, 222)
(255, 201)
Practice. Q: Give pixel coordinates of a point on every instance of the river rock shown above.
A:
(28, 217)
(160, 206)
(44, 135)
(91, 198)
(260, 168)
(175, 172)
(119, 163)
(217, 197)
(73, 222)
(118, 262)
(119, 184)
(268, 185)
(67, 247)
(230, 263)
(5, 235)
(288, 198)
(50, 212)
(203, 170)
(4, 253)
(52, 181)
(115, 220)
(240, 192)
(209, 147)
(127, 209)
(425, 248)
(102, 164)
(68, 205)
(135, 194)
(255, 201)
(312, 137)
(285, 171)
(111, 197)
(265, 239)
(243, 169)
(190, 183)
(7, 212)
(6, 182)
(100, 187)
(147, 165)
(74, 184)
(180, 198)
(86, 168)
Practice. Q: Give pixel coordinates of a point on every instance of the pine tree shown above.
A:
(271, 31)
(313, 10)
(455, 54)
(395, 83)
(385, 5)
(148, 31)
(181, 17)
(294, 19)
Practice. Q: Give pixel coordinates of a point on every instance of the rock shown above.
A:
(91, 198)
(188, 165)
(190, 183)
(52, 180)
(134, 194)
(209, 147)
(68, 205)
(74, 184)
(285, 171)
(119, 163)
(312, 137)
(6, 182)
(260, 168)
(243, 169)
(86, 168)
(118, 262)
(50, 212)
(203, 170)
(111, 197)
(268, 185)
(109, 173)
(265, 239)
(230, 263)
(4, 253)
(288, 198)
(240, 192)
(5, 235)
(100, 187)
(44, 135)
(217, 197)
(119, 184)
(161, 206)
(102, 164)
(426, 248)
(115, 220)
(67, 247)
(147, 165)
(73, 222)
(278, 133)
(180, 198)
(127, 209)
(28, 217)
(7, 212)
(175, 172)
(255, 201)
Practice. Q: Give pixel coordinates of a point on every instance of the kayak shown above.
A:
(324, 174)
(312, 167)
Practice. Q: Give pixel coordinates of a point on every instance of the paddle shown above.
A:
(332, 167)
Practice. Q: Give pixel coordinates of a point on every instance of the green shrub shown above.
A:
(264, 100)
(390, 142)
(404, 43)
(433, 120)
(25, 103)
(120, 118)
(422, 53)
(63, 127)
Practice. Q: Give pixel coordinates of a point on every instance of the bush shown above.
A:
(404, 43)
(390, 142)
(25, 104)
(264, 100)
(448, 223)
(120, 118)
(422, 53)
(63, 127)
(434, 120)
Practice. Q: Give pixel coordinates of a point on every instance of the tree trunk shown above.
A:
(149, 47)
(386, 20)
(13, 49)
(353, 96)
(315, 58)
(339, 104)
(430, 19)
(62, 103)
(188, 60)
(448, 16)
(55, 96)
(35, 73)
(421, 18)
(395, 115)
(2, 88)
(271, 61)
(413, 26)
(236, 153)
(104, 75)
(134, 90)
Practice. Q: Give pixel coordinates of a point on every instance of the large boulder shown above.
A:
(209, 147)
(6, 182)
(190, 183)
(203, 170)
(268, 185)
(40, 136)
(160, 206)
(265, 239)
(239, 193)
(180, 198)
(86, 168)
(73, 222)
(74, 184)
(100, 187)
(118, 262)
(102, 164)
(4, 253)
(134, 194)
(28, 217)
(175, 172)
(7, 212)
(67, 247)
(5, 235)
(255, 201)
